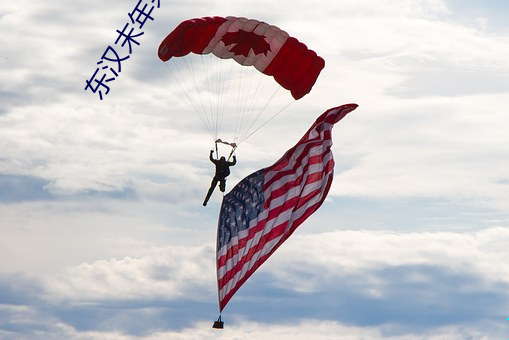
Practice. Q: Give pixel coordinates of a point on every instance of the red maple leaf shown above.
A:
(246, 41)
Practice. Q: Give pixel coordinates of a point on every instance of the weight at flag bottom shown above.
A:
(265, 208)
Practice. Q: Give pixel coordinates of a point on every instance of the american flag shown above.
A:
(266, 207)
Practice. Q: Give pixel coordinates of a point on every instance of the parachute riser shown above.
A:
(231, 153)
(233, 145)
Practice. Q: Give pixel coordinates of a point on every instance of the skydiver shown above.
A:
(222, 171)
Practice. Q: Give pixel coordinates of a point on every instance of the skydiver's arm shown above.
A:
(210, 156)
(234, 161)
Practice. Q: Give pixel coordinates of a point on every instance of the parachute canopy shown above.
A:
(250, 43)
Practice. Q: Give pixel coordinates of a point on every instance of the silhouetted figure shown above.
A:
(222, 171)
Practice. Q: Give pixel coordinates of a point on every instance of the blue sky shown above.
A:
(102, 232)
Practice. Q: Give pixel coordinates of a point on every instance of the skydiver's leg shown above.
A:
(211, 189)
(222, 184)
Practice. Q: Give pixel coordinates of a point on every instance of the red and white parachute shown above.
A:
(222, 93)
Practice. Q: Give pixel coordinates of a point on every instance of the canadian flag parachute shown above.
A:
(248, 42)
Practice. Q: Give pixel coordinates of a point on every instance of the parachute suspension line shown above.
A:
(213, 91)
(207, 81)
(268, 121)
(214, 83)
(217, 72)
(196, 109)
(244, 109)
(224, 69)
(261, 111)
(254, 96)
(240, 105)
(195, 70)
(215, 109)
(191, 68)
(250, 101)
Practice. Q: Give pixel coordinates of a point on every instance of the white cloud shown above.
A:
(339, 253)
(307, 263)
(438, 274)
(167, 273)
(418, 147)
(458, 152)
(315, 329)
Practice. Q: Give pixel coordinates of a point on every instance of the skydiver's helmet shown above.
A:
(222, 159)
